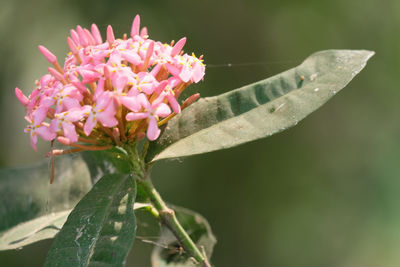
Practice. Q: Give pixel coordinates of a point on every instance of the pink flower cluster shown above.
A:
(112, 92)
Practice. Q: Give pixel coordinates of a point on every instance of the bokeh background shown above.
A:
(324, 193)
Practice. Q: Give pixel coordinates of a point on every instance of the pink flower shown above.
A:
(37, 127)
(143, 82)
(168, 93)
(152, 112)
(66, 98)
(103, 86)
(103, 111)
(65, 121)
(187, 68)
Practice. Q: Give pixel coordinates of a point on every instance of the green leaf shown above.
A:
(101, 229)
(259, 109)
(168, 253)
(44, 227)
(31, 209)
(105, 162)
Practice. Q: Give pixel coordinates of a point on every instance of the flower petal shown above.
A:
(131, 116)
(90, 124)
(46, 133)
(107, 116)
(153, 131)
(131, 102)
(39, 115)
(174, 103)
(69, 131)
(162, 110)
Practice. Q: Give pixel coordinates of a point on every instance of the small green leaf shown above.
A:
(259, 109)
(31, 209)
(101, 229)
(169, 253)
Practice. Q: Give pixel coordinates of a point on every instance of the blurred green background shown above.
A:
(324, 193)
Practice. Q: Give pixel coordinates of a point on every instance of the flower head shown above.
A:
(109, 92)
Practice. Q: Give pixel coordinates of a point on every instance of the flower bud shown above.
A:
(96, 34)
(47, 54)
(135, 26)
(110, 35)
(21, 97)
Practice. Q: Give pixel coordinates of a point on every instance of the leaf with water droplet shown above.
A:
(210, 123)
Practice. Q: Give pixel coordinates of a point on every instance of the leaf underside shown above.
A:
(259, 109)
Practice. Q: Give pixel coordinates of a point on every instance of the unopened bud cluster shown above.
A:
(112, 92)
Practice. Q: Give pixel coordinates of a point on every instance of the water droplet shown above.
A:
(313, 76)
(316, 89)
(280, 106)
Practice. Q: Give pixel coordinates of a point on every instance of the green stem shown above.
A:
(166, 215)
(168, 218)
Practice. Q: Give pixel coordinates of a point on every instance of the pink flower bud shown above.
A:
(54, 152)
(144, 33)
(178, 47)
(56, 74)
(110, 35)
(149, 53)
(64, 140)
(96, 34)
(135, 26)
(47, 54)
(21, 97)
(89, 37)
(72, 46)
(82, 36)
(190, 100)
(75, 37)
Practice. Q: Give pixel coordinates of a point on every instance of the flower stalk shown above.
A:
(166, 215)
(168, 218)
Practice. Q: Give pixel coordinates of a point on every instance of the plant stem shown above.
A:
(168, 218)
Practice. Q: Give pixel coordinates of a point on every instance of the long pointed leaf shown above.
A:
(260, 109)
(101, 229)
